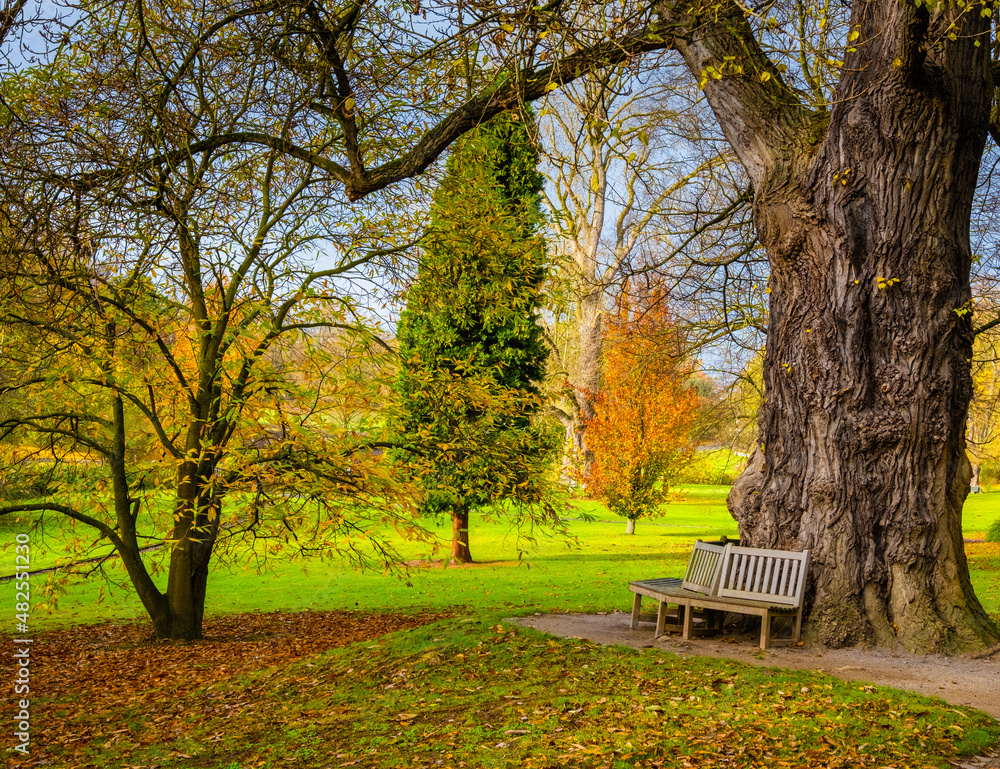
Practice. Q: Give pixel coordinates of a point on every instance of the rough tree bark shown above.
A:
(579, 218)
(585, 381)
(864, 212)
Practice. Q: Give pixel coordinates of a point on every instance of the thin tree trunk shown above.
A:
(630, 525)
(587, 377)
(460, 552)
(196, 527)
(153, 601)
(9, 17)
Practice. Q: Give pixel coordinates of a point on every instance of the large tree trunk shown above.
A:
(867, 378)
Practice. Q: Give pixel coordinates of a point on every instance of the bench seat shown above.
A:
(667, 591)
(701, 577)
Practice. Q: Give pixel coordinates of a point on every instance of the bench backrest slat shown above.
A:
(704, 568)
(760, 574)
(793, 579)
(768, 580)
(764, 575)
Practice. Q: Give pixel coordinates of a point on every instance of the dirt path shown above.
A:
(957, 680)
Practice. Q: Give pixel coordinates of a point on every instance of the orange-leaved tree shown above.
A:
(641, 434)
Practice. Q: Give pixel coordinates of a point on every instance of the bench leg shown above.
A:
(765, 630)
(635, 610)
(797, 630)
(688, 621)
(661, 618)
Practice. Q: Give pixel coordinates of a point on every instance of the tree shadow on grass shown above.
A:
(617, 557)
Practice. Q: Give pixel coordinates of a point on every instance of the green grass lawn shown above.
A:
(589, 572)
(979, 512)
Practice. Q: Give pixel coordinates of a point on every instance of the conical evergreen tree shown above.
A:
(471, 348)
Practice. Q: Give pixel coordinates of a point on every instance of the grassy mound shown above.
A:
(284, 690)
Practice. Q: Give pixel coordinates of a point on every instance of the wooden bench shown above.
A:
(765, 583)
(701, 578)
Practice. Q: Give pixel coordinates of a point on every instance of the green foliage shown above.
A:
(719, 466)
(29, 481)
(475, 303)
(993, 532)
(989, 473)
(471, 348)
(738, 412)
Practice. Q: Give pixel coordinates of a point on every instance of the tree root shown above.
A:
(984, 653)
